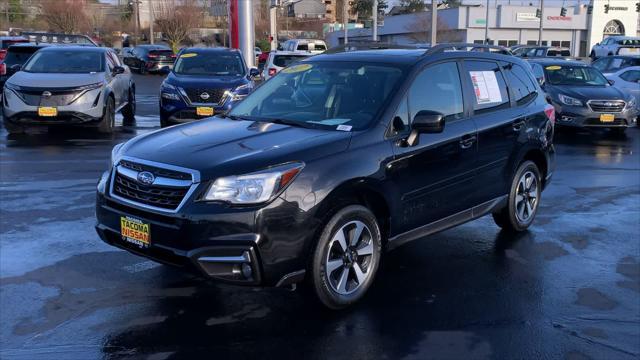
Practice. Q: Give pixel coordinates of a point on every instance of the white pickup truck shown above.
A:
(616, 45)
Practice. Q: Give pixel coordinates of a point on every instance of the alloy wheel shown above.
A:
(349, 257)
(526, 199)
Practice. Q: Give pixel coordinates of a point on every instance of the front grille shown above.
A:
(171, 174)
(57, 98)
(158, 196)
(607, 106)
(215, 95)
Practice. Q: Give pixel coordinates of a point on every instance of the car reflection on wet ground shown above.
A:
(568, 288)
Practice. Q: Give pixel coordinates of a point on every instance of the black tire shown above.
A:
(326, 284)
(129, 111)
(517, 215)
(108, 118)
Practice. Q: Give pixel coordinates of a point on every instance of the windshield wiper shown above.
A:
(287, 122)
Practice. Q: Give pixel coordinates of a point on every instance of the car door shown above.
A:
(113, 80)
(122, 80)
(434, 176)
(499, 124)
(630, 82)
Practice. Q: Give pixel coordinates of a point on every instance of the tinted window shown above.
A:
(286, 60)
(19, 55)
(303, 47)
(558, 53)
(490, 89)
(71, 61)
(631, 75)
(522, 87)
(437, 88)
(601, 64)
(193, 63)
(110, 63)
(330, 95)
(320, 47)
(401, 119)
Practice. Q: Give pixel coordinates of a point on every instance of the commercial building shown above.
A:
(581, 28)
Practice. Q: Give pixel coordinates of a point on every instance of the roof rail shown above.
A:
(446, 47)
(368, 45)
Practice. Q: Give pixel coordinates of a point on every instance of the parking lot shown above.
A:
(568, 288)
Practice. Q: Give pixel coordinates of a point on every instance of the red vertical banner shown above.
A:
(233, 24)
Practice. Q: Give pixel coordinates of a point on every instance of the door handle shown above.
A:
(518, 125)
(467, 141)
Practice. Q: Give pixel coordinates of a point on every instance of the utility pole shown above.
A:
(135, 21)
(486, 25)
(345, 20)
(273, 31)
(541, 20)
(374, 14)
(434, 22)
(151, 23)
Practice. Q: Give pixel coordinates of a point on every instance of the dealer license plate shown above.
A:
(204, 111)
(607, 118)
(135, 231)
(47, 111)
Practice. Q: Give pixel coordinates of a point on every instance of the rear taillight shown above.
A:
(272, 71)
(173, 56)
(3, 54)
(550, 111)
(151, 56)
(3, 69)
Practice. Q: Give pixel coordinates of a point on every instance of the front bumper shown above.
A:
(216, 241)
(87, 110)
(178, 111)
(158, 65)
(582, 116)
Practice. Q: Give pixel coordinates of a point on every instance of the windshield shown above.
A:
(339, 95)
(574, 75)
(19, 55)
(67, 62)
(209, 64)
(286, 60)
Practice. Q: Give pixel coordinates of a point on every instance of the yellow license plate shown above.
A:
(47, 111)
(204, 111)
(135, 231)
(607, 117)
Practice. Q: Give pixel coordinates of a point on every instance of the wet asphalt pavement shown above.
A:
(567, 289)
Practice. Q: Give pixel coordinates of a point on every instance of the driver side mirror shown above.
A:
(611, 82)
(118, 70)
(540, 81)
(254, 72)
(16, 67)
(425, 121)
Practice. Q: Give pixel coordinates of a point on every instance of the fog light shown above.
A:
(566, 118)
(246, 271)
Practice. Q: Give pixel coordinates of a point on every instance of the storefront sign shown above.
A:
(559, 18)
(618, 8)
(527, 17)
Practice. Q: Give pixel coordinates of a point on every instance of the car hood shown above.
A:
(221, 147)
(53, 80)
(586, 93)
(205, 82)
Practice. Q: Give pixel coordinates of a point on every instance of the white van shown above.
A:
(309, 45)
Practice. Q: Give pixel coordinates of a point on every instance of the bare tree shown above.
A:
(67, 16)
(176, 18)
(421, 30)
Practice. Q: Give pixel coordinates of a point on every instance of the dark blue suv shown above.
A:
(204, 82)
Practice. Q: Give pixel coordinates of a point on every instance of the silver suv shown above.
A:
(69, 85)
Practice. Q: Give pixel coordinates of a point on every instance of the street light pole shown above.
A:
(541, 19)
(486, 25)
(434, 22)
(345, 20)
(374, 15)
(151, 23)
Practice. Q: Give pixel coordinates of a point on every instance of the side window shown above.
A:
(631, 75)
(401, 119)
(110, 63)
(489, 87)
(615, 64)
(522, 87)
(114, 58)
(537, 71)
(437, 88)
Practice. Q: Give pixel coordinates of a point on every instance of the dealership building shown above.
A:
(581, 27)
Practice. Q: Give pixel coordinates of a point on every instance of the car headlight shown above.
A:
(253, 188)
(568, 100)
(168, 91)
(115, 153)
(631, 103)
(240, 92)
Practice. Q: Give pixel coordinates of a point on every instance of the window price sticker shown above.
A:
(485, 86)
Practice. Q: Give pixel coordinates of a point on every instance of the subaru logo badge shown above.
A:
(609, 104)
(146, 178)
(46, 94)
(204, 96)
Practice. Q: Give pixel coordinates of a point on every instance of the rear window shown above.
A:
(629, 42)
(7, 43)
(303, 47)
(286, 60)
(558, 53)
(163, 53)
(19, 55)
(320, 47)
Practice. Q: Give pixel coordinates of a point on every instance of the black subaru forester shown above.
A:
(330, 163)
